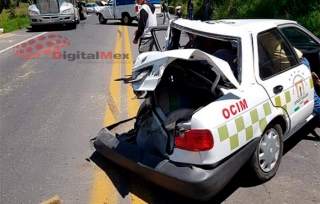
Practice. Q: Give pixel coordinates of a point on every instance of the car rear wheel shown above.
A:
(266, 159)
(102, 20)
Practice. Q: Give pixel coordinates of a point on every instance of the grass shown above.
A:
(21, 21)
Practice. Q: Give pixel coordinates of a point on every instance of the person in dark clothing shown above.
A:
(207, 10)
(190, 10)
(229, 56)
(147, 18)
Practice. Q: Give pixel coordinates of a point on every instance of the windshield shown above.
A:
(64, 1)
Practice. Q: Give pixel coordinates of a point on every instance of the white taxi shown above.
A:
(222, 94)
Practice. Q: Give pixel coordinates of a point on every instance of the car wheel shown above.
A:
(266, 159)
(101, 19)
(126, 19)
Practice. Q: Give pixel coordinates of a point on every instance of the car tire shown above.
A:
(267, 157)
(126, 19)
(102, 20)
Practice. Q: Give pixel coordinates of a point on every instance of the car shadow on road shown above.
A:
(51, 28)
(120, 177)
(117, 23)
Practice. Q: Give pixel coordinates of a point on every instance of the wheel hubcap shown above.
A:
(269, 150)
(100, 18)
(126, 19)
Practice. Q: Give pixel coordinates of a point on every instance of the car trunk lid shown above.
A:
(156, 63)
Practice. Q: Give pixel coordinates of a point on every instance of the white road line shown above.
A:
(21, 42)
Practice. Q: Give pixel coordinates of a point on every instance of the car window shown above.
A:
(223, 47)
(296, 36)
(275, 55)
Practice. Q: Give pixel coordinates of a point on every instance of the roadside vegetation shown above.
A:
(14, 17)
(305, 12)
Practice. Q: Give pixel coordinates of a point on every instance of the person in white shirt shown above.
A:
(147, 18)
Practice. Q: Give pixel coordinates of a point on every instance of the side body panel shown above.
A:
(234, 120)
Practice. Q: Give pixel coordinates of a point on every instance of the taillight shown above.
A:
(136, 8)
(194, 140)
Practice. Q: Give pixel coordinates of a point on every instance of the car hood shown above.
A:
(148, 67)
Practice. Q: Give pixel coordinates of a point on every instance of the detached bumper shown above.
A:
(187, 180)
(52, 19)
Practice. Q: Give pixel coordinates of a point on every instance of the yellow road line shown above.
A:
(132, 103)
(139, 187)
(103, 190)
(53, 200)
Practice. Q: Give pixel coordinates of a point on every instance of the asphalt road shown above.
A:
(50, 108)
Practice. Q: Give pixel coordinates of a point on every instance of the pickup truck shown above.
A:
(123, 10)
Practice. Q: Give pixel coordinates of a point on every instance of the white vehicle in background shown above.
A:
(122, 10)
(65, 12)
(100, 5)
(90, 7)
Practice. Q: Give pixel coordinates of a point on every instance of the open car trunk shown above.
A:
(184, 86)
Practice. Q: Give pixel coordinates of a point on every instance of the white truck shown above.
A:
(123, 10)
(64, 12)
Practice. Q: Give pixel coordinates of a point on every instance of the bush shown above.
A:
(307, 13)
(18, 19)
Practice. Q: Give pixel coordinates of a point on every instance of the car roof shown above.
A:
(231, 27)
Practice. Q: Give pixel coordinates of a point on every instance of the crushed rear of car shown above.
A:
(165, 140)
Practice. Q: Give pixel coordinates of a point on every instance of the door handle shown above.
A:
(277, 89)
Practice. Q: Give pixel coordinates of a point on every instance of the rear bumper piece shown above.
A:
(187, 180)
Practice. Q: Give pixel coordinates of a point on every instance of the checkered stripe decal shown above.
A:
(311, 83)
(239, 131)
(284, 101)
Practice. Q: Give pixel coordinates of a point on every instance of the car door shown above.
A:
(107, 10)
(158, 33)
(284, 78)
(306, 42)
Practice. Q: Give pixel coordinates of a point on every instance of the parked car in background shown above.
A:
(223, 94)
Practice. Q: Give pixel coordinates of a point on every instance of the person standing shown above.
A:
(190, 10)
(147, 18)
(165, 9)
(316, 82)
(207, 10)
